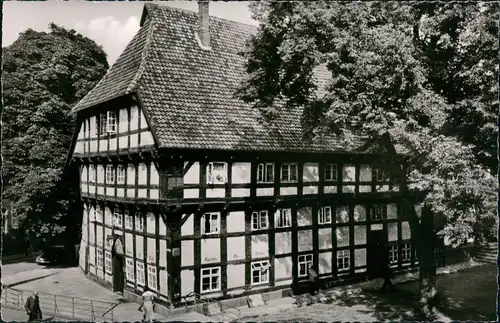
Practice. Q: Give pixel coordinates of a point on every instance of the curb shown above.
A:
(29, 280)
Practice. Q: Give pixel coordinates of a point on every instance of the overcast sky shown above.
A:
(110, 24)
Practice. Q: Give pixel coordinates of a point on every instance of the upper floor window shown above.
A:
(259, 220)
(117, 218)
(283, 218)
(381, 175)
(111, 123)
(217, 173)
(110, 174)
(92, 174)
(139, 222)
(331, 172)
(289, 172)
(120, 174)
(325, 215)
(378, 212)
(106, 123)
(210, 223)
(265, 173)
(128, 220)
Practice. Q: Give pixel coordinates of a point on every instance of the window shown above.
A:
(92, 174)
(210, 279)
(120, 174)
(283, 218)
(381, 175)
(305, 261)
(210, 223)
(260, 272)
(139, 222)
(331, 172)
(259, 220)
(378, 212)
(110, 174)
(325, 215)
(406, 252)
(111, 126)
(265, 173)
(102, 126)
(343, 260)
(289, 172)
(393, 254)
(128, 220)
(130, 270)
(107, 262)
(217, 173)
(100, 259)
(117, 218)
(140, 273)
(152, 283)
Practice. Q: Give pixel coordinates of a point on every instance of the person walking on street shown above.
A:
(32, 307)
(313, 281)
(386, 270)
(147, 305)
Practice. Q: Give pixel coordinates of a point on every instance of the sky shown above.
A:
(110, 24)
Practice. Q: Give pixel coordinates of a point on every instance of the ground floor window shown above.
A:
(107, 261)
(210, 279)
(140, 273)
(130, 269)
(343, 260)
(260, 272)
(393, 254)
(152, 283)
(304, 262)
(100, 259)
(406, 252)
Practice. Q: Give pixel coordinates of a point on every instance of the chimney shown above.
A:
(203, 16)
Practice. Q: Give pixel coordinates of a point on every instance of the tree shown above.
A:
(383, 84)
(44, 75)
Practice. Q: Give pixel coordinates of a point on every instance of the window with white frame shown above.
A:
(265, 173)
(117, 218)
(111, 122)
(305, 261)
(393, 254)
(210, 223)
(93, 214)
(107, 261)
(331, 173)
(152, 282)
(406, 252)
(259, 220)
(92, 174)
(120, 174)
(325, 215)
(128, 220)
(289, 172)
(378, 212)
(343, 260)
(102, 125)
(139, 222)
(140, 273)
(260, 272)
(283, 218)
(216, 173)
(100, 258)
(110, 174)
(130, 269)
(210, 279)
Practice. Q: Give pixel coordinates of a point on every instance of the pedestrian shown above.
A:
(313, 281)
(32, 307)
(147, 305)
(386, 270)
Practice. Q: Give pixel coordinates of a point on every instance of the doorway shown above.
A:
(118, 275)
(377, 241)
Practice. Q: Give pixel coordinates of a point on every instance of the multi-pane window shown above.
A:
(210, 279)
(217, 173)
(100, 258)
(289, 172)
(102, 124)
(110, 174)
(393, 254)
(331, 172)
(128, 220)
(265, 173)
(378, 212)
(130, 269)
(120, 174)
(117, 218)
(210, 223)
(140, 273)
(107, 262)
(325, 215)
(92, 174)
(259, 220)
(406, 252)
(260, 272)
(381, 175)
(139, 222)
(152, 282)
(343, 260)
(305, 261)
(283, 218)
(111, 122)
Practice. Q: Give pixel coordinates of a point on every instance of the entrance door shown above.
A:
(377, 241)
(118, 275)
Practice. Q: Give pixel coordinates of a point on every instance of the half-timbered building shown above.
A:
(187, 190)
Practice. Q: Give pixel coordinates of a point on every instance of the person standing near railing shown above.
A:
(32, 307)
(147, 305)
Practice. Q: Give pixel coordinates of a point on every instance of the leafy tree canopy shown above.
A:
(44, 75)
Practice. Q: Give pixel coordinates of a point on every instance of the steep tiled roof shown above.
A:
(188, 92)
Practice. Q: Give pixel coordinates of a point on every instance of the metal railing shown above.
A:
(62, 306)
(203, 305)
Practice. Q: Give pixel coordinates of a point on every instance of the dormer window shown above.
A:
(217, 173)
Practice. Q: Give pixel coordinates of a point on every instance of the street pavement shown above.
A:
(11, 269)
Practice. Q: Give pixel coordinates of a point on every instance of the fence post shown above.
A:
(112, 310)
(55, 304)
(73, 301)
(92, 310)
